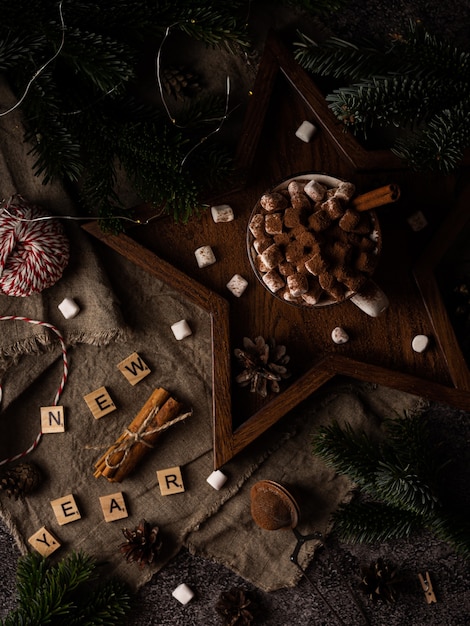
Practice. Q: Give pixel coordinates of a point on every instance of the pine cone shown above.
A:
(379, 581)
(143, 543)
(263, 365)
(20, 480)
(235, 607)
(178, 82)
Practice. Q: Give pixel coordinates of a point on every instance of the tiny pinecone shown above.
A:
(379, 581)
(264, 365)
(179, 82)
(20, 480)
(143, 543)
(235, 607)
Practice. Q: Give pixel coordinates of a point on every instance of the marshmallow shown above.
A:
(183, 593)
(237, 285)
(222, 213)
(204, 256)
(420, 343)
(371, 299)
(417, 221)
(181, 329)
(305, 131)
(217, 479)
(339, 335)
(69, 308)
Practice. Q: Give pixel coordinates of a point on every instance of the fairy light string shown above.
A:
(171, 117)
(4, 205)
(63, 378)
(43, 67)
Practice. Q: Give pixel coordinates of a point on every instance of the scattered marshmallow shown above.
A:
(417, 221)
(183, 593)
(305, 131)
(420, 343)
(69, 308)
(181, 329)
(217, 479)
(339, 335)
(222, 213)
(237, 285)
(205, 256)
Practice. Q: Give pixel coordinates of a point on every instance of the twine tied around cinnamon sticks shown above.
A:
(157, 415)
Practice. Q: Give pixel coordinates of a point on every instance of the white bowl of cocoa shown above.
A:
(313, 241)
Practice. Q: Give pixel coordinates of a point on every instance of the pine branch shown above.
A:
(367, 522)
(441, 145)
(69, 592)
(103, 62)
(400, 486)
(341, 59)
(349, 452)
(385, 100)
(453, 528)
(434, 56)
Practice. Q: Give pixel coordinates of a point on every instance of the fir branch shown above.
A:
(65, 593)
(341, 59)
(349, 452)
(400, 486)
(19, 50)
(441, 145)
(434, 56)
(367, 522)
(384, 100)
(30, 576)
(453, 528)
(103, 62)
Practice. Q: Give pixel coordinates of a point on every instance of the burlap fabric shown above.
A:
(83, 280)
(215, 524)
(124, 310)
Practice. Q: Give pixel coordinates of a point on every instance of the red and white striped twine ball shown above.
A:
(33, 254)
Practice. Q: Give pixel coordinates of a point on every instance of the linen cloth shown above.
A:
(99, 321)
(214, 524)
(124, 310)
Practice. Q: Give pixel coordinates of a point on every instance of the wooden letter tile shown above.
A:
(113, 507)
(170, 481)
(52, 419)
(65, 509)
(44, 542)
(133, 368)
(99, 402)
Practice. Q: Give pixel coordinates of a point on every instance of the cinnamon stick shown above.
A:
(377, 197)
(111, 457)
(140, 436)
(167, 412)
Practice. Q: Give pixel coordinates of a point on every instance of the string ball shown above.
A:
(33, 251)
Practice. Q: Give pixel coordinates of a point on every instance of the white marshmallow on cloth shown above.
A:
(69, 308)
(217, 479)
(237, 285)
(183, 593)
(204, 256)
(305, 131)
(222, 213)
(181, 329)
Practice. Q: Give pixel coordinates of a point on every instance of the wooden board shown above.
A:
(379, 349)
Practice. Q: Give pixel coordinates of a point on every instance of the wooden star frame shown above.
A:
(379, 350)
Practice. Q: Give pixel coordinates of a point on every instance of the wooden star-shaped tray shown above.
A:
(379, 349)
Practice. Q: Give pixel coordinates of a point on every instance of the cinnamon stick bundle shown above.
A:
(376, 197)
(139, 438)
